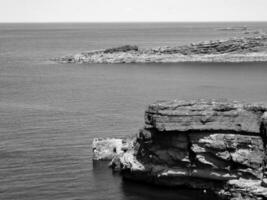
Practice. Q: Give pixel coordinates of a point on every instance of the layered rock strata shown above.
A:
(215, 145)
(245, 49)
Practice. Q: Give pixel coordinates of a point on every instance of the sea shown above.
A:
(50, 113)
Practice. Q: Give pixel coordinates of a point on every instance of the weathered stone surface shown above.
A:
(219, 46)
(241, 154)
(244, 49)
(107, 148)
(202, 115)
(264, 132)
(244, 189)
(124, 48)
(217, 145)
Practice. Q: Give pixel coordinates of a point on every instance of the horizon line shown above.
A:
(106, 22)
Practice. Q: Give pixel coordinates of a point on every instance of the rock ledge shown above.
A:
(216, 145)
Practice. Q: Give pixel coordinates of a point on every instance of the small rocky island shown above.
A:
(216, 145)
(244, 49)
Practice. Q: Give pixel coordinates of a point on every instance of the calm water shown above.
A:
(50, 112)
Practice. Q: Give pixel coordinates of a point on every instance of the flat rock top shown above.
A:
(203, 105)
(205, 115)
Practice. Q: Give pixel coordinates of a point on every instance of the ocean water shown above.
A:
(51, 112)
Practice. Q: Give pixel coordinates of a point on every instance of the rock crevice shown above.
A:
(217, 145)
(211, 144)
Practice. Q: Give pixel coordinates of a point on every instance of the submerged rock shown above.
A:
(208, 144)
(245, 49)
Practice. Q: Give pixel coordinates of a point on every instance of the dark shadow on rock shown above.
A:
(133, 190)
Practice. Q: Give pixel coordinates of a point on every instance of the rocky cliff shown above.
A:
(214, 145)
(244, 49)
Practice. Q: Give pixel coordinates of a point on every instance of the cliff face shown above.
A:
(217, 145)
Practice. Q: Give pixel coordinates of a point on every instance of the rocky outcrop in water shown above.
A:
(108, 148)
(125, 48)
(208, 144)
(245, 49)
(234, 28)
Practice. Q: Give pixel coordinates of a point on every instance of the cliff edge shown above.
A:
(209, 144)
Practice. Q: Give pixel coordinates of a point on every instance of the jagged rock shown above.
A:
(108, 148)
(244, 189)
(211, 144)
(241, 154)
(245, 49)
(264, 133)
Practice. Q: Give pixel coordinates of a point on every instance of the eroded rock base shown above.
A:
(204, 144)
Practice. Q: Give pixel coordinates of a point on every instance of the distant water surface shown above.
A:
(51, 112)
